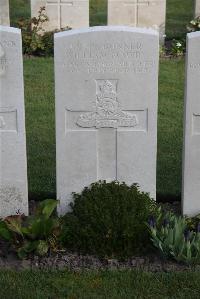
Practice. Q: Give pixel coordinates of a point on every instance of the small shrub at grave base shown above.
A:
(162, 51)
(36, 234)
(178, 47)
(108, 219)
(176, 237)
(34, 40)
(31, 39)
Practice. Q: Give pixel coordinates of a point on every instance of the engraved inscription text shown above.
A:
(122, 57)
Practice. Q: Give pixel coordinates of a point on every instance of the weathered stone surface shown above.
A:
(13, 169)
(138, 13)
(4, 13)
(191, 156)
(63, 13)
(106, 108)
(197, 8)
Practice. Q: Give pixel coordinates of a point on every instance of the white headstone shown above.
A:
(13, 166)
(63, 13)
(4, 13)
(191, 156)
(138, 13)
(197, 8)
(106, 108)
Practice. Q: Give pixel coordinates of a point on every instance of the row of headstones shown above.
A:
(75, 13)
(106, 82)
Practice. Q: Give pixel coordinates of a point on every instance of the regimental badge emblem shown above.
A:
(108, 112)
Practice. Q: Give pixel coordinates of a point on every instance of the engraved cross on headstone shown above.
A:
(59, 4)
(136, 4)
(107, 118)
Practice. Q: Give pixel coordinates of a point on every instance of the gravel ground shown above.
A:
(76, 262)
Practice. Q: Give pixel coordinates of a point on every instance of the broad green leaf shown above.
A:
(4, 231)
(14, 224)
(47, 207)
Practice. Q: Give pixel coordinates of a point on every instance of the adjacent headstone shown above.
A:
(4, 13)
(197, 8)
(63, 13)
(106, 108)
(191, 156)
(13, 166)
(138, 13)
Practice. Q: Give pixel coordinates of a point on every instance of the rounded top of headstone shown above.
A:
(193, 34)
(9, 29)
(148, 31)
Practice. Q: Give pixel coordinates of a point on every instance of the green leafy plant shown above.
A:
(35, 40)
(193, 222)
(108, 219)
(171, 235)
(162, 51)
(194, 25)
(177, 47)
(37, 234)
(32, 33)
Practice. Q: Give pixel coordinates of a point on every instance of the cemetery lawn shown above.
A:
(19, 9)
(179, 13)
(40, 127)
(107, 284)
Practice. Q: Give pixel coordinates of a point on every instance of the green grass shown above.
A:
(92, 285)
(170, 128)
(179, 13)
(98, 12)
(18, 9)
(40, 124)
